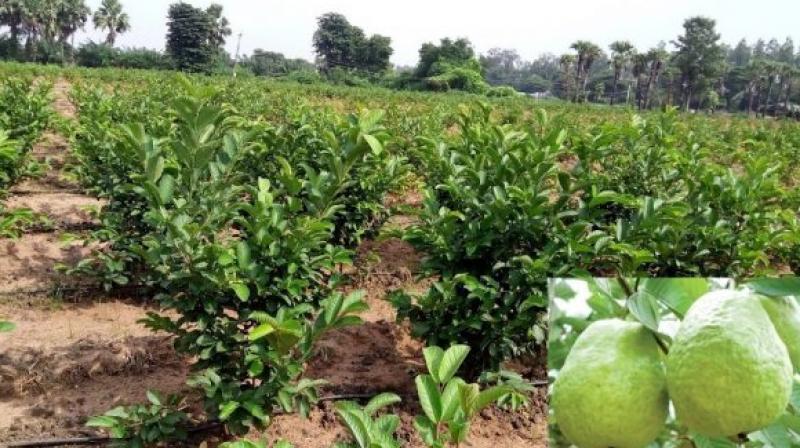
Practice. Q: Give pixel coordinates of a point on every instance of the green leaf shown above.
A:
(373, 143)
(153, 397)
(451, 399)
(6, 326)
(677, 294)
(357, 426)
(774, 436)
(102, 421)
(261, 331)
(426, 429)
(429, 397)
(380, 401)
(243, 254)
(708, 442)
(490, 396)
(776, 287)
(165, 188)
(644, 307)
(227, 409)
(433, 360)
(241, 290)
(387, 424)
(451, 361)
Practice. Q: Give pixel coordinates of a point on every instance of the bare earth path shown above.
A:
(68, 361)
(28, 262)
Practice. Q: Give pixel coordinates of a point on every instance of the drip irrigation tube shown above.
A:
(97, 440)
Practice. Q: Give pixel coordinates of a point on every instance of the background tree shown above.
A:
(72, 16)
(501, 66)
(621, 52)
(220, 26)
(270, 63)
(109, 16)
(567, 63)
(740, 55)
(588, 52)
(699, 56)
(338, 44)
(457, 53)
(189, 38)
(12, 13)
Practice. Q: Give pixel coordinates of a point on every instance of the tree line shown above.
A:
(699, 72)
(694, 71)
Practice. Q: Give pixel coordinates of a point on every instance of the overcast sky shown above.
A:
(530, 26)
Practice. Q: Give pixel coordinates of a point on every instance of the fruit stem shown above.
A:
(661, 344)
(625, 286)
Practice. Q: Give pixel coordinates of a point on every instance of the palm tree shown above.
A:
(657, 58)
(72, 16)
(12, 13)
(566, 61)
(587, 53)
(109, 16)
(621, 52)
(639, 69)
(755, 74)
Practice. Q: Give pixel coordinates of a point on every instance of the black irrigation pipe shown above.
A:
(97, 440)
(14, 191)
(74, 288)
(99, 288)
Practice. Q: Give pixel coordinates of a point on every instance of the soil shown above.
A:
(68, 361)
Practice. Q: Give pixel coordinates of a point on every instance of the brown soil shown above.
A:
(29, 262)
(68, 210)
(66, 361)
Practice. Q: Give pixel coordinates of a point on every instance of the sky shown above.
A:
(532, 27)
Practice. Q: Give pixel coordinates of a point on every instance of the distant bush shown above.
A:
(458, 78)
(101, 55)
(346, 77)
(10, 49)
(304, 77)
(501, 91)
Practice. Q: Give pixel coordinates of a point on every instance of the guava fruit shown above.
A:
(611, 391)
(728, 372)
(785, 315)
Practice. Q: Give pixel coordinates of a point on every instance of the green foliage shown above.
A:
(458, 78)
(25, 110)
(6, 326)
(484, 228)
(139, 426)
(270, 63)
(109, 16)
(699, 57)
(367, 430)
(448, 402)
(189, 38)
(501, 91)
(340, 45)
(103, 55)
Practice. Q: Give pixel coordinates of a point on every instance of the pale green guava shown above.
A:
(611, 391)
(785, 315)
(728, 372)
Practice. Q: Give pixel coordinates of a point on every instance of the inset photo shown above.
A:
(674, 362)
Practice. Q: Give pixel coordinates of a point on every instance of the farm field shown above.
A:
(158, 226)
